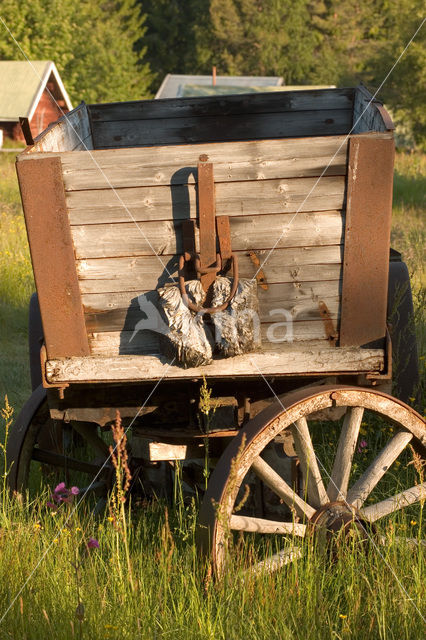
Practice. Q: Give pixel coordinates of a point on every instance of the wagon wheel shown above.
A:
(334, 494)
(34, 438)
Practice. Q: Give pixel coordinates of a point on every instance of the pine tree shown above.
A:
(91, 44)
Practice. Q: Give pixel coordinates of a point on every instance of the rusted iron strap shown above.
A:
(206, 211)
(224, 237)
(330, 331)
(52, 255)
(260, 274)
(367, 239)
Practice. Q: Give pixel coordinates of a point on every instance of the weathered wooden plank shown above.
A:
(233, 161)
(221, 127)
(180, 201)
(144, 273)
(260, 525)
(236, 104)
(274, 338)
(70, 132)
(315, 358)
(368, 114)
(165, 238)
(123, 310)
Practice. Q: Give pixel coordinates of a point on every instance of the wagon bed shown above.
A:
(307, 202)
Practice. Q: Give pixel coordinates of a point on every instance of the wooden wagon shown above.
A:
(298, 187)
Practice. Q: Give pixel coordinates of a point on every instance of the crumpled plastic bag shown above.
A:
(237, 328)
(188, 340)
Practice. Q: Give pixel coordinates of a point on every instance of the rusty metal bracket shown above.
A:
(387, 373)
(330, 330)
(193, 307)
(46, 384)
(260, 274)
(206, 212)
(224, 236)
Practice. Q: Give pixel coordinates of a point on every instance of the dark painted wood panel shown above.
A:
(220, 128)
(224, 105)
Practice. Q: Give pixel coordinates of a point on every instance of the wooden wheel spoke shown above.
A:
(59, 460)
(275, 562)
(366, 483)
(338, 485)
(271, 478)
(317, 494)
(260, 525)
(385, 507)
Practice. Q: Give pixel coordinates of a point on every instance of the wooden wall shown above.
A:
(126, 209)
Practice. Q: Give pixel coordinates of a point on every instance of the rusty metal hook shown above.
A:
(186, 257)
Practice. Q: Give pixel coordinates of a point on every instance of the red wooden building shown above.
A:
(33, 90)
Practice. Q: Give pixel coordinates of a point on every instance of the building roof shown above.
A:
(21, 86)
(193, 90)
(173, 85)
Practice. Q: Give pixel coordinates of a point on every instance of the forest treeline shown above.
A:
(122, 49)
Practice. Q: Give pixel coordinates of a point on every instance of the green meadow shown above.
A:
(146, 579)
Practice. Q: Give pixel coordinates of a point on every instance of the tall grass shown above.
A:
(168, 591)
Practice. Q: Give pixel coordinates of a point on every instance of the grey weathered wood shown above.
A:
(260, 525)
(274, 338)
(222, 127)
(164, 238)
(309, 465)
(338, 485)
(145, 272)
(390, 505)
(179, 202)
(122, 310)
(366, 113)
(280, 487)
(275, 562)
(233, 161)
(315, 358)
(369, 479)
(217, 105)
(71, 132)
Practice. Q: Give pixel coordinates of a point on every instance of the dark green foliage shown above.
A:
(92, 44)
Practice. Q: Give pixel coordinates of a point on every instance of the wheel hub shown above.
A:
(339, 522)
